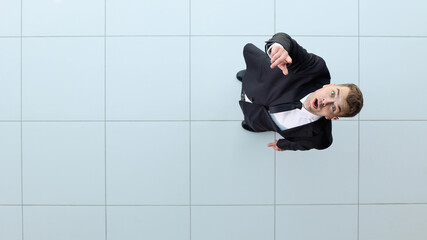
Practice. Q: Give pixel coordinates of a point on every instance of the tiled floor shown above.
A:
(119, 120)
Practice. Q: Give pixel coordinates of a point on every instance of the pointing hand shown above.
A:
(280, 57)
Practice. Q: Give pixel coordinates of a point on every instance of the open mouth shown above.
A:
(315, 103)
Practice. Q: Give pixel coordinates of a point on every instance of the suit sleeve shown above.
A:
(288, 145)
(298, 54)
(325, 142)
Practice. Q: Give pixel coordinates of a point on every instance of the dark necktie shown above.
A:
(285, 107)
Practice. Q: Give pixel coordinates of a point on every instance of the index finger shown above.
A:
(275, 56)
(280, 60)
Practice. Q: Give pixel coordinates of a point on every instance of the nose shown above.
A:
(326, 101)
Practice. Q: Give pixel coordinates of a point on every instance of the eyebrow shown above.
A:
(338, 94)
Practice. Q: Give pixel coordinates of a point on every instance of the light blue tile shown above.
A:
(63, 18)
(148, 163)
(393, 18)
(342, 67)
(63, 163)
(390, 79)
(312, 17)
(160, 223)
(316, 222)
(238, 17)
(65, 223)
(392, 162)
(232, 222)
(10, 18)
(10, 163)
(11, 222)
(63, 79)
(134, 17)
(393, 222)
(148, 78)
(321, 177)
(230, 165)
(10, 79)
(215, 91)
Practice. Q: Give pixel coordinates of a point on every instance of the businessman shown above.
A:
(287, 90)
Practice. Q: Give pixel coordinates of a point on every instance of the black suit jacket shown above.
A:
(267, 87)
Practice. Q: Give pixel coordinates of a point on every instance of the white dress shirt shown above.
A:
(294, 118)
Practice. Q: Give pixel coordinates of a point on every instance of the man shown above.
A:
(288, 91)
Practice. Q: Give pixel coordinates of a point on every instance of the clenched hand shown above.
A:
(274, 146)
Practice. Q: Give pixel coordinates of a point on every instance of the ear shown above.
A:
(331, 84)
(333, 118)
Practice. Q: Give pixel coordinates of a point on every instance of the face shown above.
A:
(328, 101)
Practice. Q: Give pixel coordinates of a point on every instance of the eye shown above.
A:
(334, 108)
(333, 94)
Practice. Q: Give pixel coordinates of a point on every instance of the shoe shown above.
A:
(246, 126)
(240, 75)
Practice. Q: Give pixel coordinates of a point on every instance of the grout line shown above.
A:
(275, 30)
(19, 37)
(189, 117)
(390, 204)
(391, 120)
(22, 145)
(218, 35)
(212, 205)
(187, 35)
(275, 190)
(275, 155)
(358, 122)
(148, 205)
(390, 36)
(211, 120)
(105, 119)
